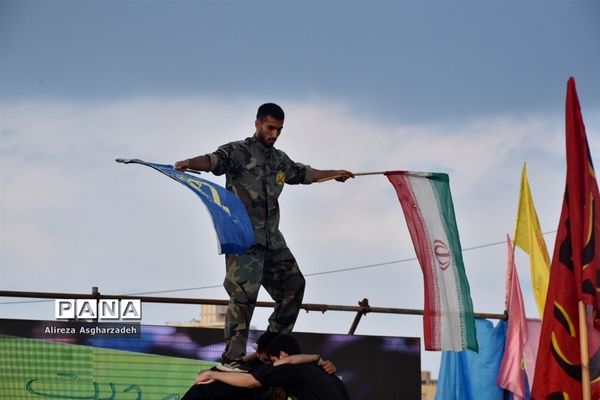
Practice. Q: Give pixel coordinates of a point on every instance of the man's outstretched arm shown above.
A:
(325, 365)
(340, 175)
(238, 379)
(200, 163)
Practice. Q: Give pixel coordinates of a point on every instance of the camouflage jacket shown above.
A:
(256, 174)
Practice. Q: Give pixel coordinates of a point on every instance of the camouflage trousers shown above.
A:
(278, 272)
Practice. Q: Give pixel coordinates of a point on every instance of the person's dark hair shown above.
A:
(270, 110)
(264, 340)
(284, 343)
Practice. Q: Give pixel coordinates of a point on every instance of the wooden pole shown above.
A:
(355, 174)
(585, 356)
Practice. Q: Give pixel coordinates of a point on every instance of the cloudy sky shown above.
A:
(470, 88)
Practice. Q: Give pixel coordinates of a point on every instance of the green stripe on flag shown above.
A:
(441, 186)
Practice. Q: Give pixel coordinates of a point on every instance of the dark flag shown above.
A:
(573, 273)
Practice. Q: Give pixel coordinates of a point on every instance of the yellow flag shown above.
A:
(528, 237)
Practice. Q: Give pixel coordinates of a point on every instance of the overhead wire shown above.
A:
(333, 271)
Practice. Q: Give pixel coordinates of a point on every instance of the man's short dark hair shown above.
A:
(270, 110)
(264, 340)
(284, 343)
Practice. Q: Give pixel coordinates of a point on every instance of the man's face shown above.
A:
(263, 356)
(268, 130)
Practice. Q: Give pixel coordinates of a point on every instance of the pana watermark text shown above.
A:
(102, 310)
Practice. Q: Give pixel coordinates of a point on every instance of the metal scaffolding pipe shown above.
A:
(362, 309)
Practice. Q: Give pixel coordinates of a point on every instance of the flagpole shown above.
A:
(355, 174)
(194, 171)
(127, 161)
(585, 356)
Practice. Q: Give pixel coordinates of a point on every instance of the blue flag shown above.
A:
(228, 213)
(467, 375)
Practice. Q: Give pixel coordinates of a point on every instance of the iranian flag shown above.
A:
(448, 321)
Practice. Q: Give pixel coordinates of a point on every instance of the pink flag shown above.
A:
(534, 327)
(512, 369)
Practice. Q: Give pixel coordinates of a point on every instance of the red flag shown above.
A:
(573, 273)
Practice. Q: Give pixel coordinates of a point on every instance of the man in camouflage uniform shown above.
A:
(256, 172)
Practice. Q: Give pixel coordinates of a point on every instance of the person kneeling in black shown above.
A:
(301, 376)
(221, 391)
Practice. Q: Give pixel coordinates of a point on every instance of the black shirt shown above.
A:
(303, 381)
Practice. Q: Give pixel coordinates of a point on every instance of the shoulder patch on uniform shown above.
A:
(280, 178)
